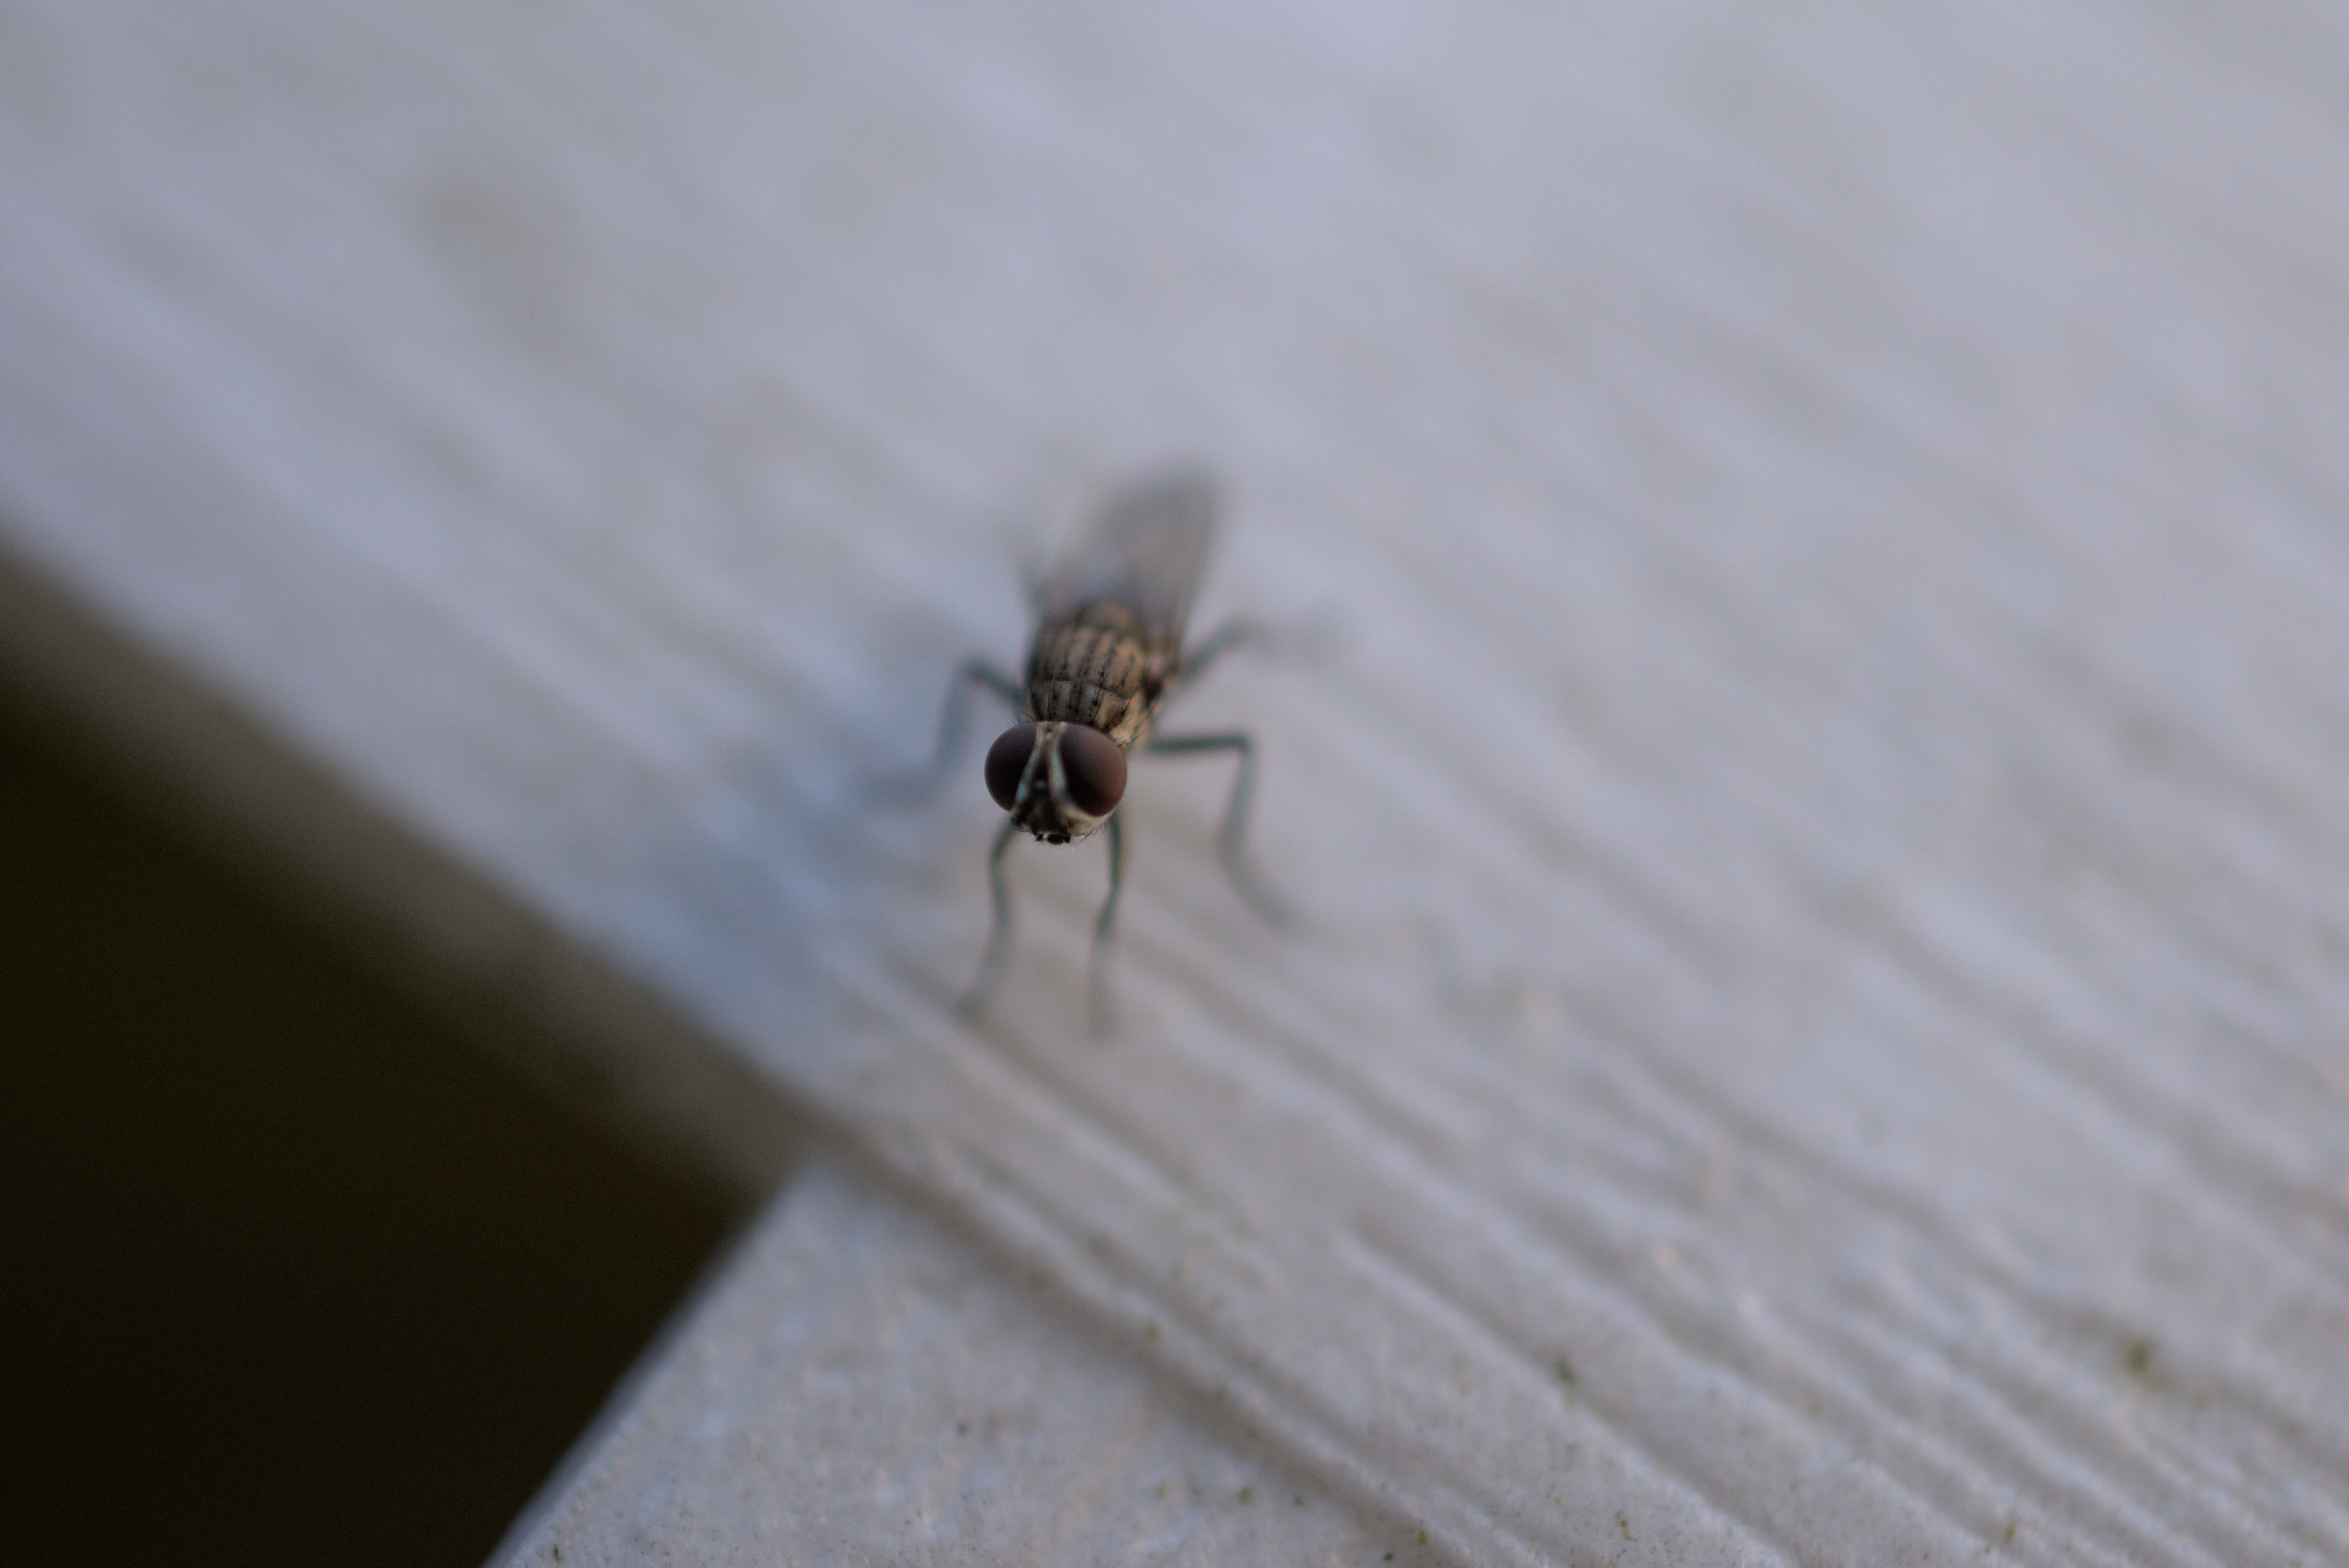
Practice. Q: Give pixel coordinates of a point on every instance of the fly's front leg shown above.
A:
(1099, 991)
(998, 940)
(918, 784)
(1231, 840)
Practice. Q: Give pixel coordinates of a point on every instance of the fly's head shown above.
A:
(1060, 781)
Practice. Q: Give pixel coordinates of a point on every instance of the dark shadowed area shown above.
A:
(294, 1273)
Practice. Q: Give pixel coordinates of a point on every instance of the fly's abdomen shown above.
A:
(1084, 672)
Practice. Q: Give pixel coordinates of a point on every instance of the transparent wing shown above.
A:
(1144, 552)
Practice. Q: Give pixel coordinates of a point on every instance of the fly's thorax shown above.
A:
(1095, 670)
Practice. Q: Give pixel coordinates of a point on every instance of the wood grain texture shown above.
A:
(1816, 1034)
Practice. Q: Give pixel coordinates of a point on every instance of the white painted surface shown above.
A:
(867, 1385)
(1820, 1033)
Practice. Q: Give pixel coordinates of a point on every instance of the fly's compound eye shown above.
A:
(1096, 770)
(1006, 759)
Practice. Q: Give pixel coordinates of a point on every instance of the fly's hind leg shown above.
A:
(1198, 658)
(1308, 639)
(1231, 840)
(998, 940)
(921, 783)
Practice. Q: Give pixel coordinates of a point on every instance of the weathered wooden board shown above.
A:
(1817, 1031)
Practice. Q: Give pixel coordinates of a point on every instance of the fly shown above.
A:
(1107, 655)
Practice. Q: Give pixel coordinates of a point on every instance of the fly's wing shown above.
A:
(1144, 552)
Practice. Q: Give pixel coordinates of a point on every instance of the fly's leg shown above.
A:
(1215, 645)
(998, 940)
(921, 783)
(1311, 638)
(1231, 839)
(1099, 992)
